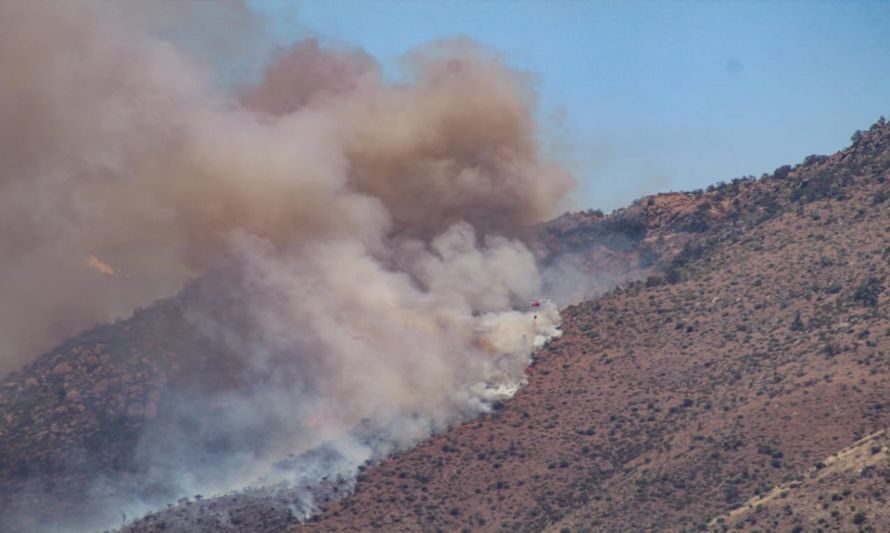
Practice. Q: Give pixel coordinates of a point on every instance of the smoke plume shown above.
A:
(376, 228)
(116, 146)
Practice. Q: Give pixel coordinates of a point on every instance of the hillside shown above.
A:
(750, 339)
(757, 346)
(761, 350)
(76, 415)
(844, 491)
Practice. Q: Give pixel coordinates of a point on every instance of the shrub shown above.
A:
(690, 252)
(814, 159)
(797, 324)
(632, 226)
(654, 281)
(868, 292)
(699, 221)
(782, 172)
(823, 185)
(673, 275)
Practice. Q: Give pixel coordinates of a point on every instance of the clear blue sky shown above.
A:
(642, 97)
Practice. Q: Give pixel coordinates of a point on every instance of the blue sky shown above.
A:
(643, 97)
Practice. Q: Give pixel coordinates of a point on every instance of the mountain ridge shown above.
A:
(76, 413)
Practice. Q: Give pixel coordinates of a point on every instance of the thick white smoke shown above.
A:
(377, 227)
(336, 341)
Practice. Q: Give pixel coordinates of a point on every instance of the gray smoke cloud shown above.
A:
(377, 227)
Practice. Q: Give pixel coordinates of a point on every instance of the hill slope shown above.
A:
(846, 490)
(665, 404)
(757, 345)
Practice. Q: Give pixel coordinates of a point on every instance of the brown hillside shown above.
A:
(76, 414)
(666, 404)
(846, 491)
(755, 343)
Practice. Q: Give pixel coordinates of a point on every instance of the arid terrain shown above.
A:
(730, 369)
(762, 349)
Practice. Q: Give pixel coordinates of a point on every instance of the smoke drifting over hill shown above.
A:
(376, 227)
(116, 146)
